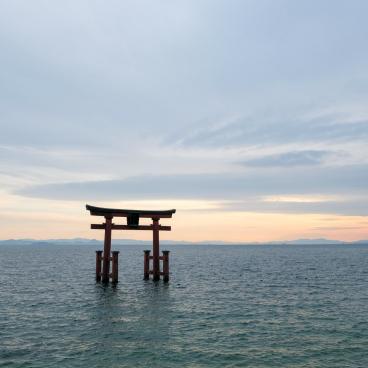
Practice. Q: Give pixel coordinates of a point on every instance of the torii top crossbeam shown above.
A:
(115, 212)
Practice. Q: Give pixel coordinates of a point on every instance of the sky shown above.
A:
(248, 117)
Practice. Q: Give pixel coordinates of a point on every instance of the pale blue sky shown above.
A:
(232, 102)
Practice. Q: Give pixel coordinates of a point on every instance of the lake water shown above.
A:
(225, 306)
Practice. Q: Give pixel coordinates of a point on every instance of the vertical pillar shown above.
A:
(98, 265)
(156, 250)
(107, 250)
(146, 264)
(165, 265)
(115, 267)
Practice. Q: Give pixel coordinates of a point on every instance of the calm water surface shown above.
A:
(225, 306)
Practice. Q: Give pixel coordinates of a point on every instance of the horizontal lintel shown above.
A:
(126, 227)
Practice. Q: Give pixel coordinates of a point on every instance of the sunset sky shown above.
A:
(248, 117)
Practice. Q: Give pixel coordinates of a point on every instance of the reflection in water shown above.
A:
(136, 320)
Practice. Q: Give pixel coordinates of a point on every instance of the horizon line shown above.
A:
(299, 240)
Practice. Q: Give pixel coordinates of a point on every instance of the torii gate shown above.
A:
(132, 224)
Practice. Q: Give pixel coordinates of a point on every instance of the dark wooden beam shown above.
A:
(126, 214)
(126, 227)
(116, 212)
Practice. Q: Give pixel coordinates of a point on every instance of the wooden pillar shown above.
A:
(115, 267)
(107, 250)
(165, 265)
(156, 250)
(98, 265)
(146, 264)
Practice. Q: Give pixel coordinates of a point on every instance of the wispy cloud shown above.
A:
(336, 228)
(308, 198)
(289, 159)
(331, 181)
(347, 206)
(270, 130)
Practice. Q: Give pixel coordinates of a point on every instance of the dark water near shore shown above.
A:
(225, 306)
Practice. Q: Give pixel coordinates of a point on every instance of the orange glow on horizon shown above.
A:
(194, 221)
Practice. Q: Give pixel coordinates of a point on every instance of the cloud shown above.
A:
(347, 206)
(345, 180)
(289, 159)
(268, 130)
(236, 193)
(175, 67)
(337, 228)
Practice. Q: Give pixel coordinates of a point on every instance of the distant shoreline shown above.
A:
(82, 241)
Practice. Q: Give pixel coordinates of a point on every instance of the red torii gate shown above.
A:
(132, 217)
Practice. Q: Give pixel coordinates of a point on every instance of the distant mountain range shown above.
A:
(83, 241)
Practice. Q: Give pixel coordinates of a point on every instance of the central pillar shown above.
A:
(98, 265)
(115, 267)
(156, 250)
(165, 265)
(146, 264)
(107, 251)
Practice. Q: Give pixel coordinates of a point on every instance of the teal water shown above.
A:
(225, 306)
